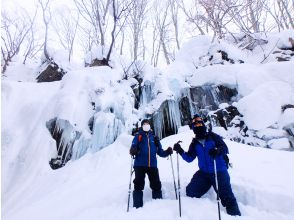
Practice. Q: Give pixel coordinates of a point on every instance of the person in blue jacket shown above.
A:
(208, 146)
(144, 148)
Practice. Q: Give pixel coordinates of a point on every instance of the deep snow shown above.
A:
(96, 186)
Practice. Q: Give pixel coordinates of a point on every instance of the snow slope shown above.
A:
(96, 186)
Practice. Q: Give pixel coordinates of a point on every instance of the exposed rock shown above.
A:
(173, 114)
(185, 110)
(224, 117)
(52, 72)
(137, 89)
(65, 135)
(284, 107)
(97, 62)
(210, 96)
(166, 120)
(220, 57)
(291, 47)
(250, 42)
(283, 55)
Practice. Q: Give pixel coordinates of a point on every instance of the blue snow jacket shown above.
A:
(205, 161)
(147, 146)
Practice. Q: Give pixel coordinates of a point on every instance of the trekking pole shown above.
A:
(172, 166)
(130, 184)
(179, 185)
(216, 186)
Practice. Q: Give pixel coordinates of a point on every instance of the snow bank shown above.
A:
(263, 106)
(26, 142)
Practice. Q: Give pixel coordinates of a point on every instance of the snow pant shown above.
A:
(201, 183)
(139, 183)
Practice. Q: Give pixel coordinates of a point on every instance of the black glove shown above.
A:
(214, 152)
(133, 151)
(169, 151)
(178, 148)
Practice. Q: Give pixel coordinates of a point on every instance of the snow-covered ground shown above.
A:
(96, 186)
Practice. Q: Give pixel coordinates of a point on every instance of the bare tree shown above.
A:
(32, 43)
(65, 25)
(174, 9)
(121, 11)
(46, 19)
(14, 31)
(275, 13)
(216, 15)
(255, 10)
(282, 12)
(192, 14)
(163, 26)
(86, 38)
(136, 22)
(122, 42)
(155, 45)
(95, 13)
(287, 12)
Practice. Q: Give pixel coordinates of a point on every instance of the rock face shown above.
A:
(203, 99)
(214, 103)
(65, 136)
(209, 97)
(52, 72)
(224, 117)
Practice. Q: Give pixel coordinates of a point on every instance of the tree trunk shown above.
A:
(112, 32)
(165, 51)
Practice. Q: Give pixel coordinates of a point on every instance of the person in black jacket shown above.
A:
(144, 147)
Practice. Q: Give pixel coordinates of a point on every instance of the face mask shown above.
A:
(146, 127)
(200, 132)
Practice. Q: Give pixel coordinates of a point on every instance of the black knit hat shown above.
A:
(145, 121)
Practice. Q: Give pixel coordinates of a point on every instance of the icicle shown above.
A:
(167, 119)
(65, 135)
(106, 129)
(82, 146)
(146, 93)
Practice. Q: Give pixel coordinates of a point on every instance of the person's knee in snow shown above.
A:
(208, 147)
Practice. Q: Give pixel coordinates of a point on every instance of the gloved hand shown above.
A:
(214, 152)
(178, 148)
(133, 151)
(169, 151)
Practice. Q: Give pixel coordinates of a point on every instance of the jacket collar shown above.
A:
(144, 132)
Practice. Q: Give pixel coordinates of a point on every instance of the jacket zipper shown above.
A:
(204, 154)
(148, 151)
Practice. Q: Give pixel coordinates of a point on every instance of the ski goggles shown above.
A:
(197, 122)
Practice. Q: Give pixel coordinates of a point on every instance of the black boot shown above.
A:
(233, 210)
(137, 198)
(156, 194)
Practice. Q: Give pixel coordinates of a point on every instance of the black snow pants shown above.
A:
(139, 183)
